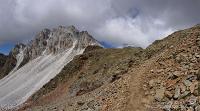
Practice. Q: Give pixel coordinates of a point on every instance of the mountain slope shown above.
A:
(162, 77)
(41, 60)
(89, 72)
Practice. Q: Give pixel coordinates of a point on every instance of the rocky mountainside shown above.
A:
(173, 81)
(30, 66)
(162, 77)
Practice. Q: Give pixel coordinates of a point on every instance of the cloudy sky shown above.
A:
(116, 22)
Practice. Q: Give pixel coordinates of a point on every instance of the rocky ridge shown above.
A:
(173, 83)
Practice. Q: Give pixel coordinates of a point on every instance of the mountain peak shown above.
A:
(41, 60)
(72, 28)
(58, 40)
(69, 29)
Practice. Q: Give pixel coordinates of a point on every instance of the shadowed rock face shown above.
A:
(9, 62)
(2, 60)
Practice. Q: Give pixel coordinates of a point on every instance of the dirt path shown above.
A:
(138, 100)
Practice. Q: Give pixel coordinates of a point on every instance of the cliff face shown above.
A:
(2, 59)
(164, 76)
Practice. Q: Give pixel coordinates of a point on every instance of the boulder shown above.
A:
(187, 83)
(168, 94)
(193, 87)
(177, 92)
(160, 93)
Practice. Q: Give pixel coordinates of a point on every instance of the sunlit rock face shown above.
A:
(58, 40)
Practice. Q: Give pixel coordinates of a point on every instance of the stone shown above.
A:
(152, 82)
(160, 94)
(80, 103)
(94, 105)
(144, 87)
(198, 75)
(171, 83)
(187, 83)
(183, 88)
(198, 42)
(175, 106)
(181, 58)
(197, 55)
(185, 94)
(177, 73)
(192, 87)
(192, 101)
(152, 71)
(198, 99)
(196, 93)
(172, 76)
(190, 109)
(168, 94)
(152, 92)
(191, 77)
(197, 108)
(183, 108)
(168, 106)
(177, 92)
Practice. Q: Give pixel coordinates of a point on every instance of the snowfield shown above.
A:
(20, 84)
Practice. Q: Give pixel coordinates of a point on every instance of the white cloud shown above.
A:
(126, 30)
(135, 22)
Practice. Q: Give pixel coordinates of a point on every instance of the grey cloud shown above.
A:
(135, 22)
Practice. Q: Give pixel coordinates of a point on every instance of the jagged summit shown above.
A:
(58, 40)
